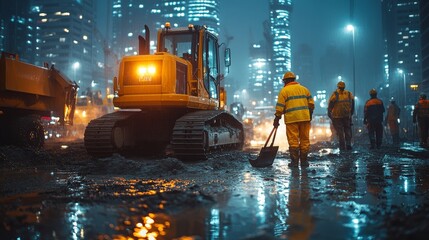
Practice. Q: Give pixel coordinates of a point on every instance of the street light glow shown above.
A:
(350, 28)
(76, 65)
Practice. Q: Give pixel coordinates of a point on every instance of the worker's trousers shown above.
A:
(298, 135)
(394, 131)
(343, 127)
(423, 130)
(375, 132)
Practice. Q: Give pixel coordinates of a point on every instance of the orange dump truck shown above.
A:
(29, 93)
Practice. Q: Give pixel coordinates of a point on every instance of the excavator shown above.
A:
(169, 101)
(28, 94)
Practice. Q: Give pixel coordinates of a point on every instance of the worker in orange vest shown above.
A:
(392, 119)
(373, 119)
(421, 116)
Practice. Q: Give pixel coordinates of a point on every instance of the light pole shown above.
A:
(351, 28)
(400, 71)
(405, 85)
(76, 65)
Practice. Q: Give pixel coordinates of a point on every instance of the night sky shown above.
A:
(318, 24)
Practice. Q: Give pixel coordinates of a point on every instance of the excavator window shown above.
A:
(211, 67)
(178, 44)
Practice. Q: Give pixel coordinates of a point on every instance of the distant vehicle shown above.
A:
(92, 107)
(321, 129)
(237, 109)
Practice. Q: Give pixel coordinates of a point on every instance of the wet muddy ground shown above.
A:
(61, 193)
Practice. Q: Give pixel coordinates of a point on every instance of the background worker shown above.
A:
(297, 105)
(373, 119)
(392, 118)
(340, 111)
(421, 116)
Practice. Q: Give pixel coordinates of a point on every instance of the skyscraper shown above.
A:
(64, 37)
(205, 12)
(424, 21)
(260, 83)
(401, 33)
(17, 29)
(129, 19)
(280, 11)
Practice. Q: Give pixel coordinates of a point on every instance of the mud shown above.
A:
(60, 192)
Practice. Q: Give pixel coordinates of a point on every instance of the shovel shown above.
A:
(267, 154)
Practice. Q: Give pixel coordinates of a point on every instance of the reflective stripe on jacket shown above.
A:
(374, 109)
(295, 102)
(341, 104)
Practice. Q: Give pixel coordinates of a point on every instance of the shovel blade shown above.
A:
(266, 157)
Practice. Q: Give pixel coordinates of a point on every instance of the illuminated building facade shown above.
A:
(129, 18)
(260, 83)
(64, 37)
(280, 12)
(424, 21)
(17, 29)
(205, 12)
(402, 59)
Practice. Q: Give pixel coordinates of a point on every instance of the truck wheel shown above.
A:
(31, 133)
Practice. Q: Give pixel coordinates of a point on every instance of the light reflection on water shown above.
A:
(348, 197)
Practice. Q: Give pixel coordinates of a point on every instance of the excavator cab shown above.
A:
(200, 48)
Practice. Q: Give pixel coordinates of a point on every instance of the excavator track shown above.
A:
(196, 135)
(99, 135)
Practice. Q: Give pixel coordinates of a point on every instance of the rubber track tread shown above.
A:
(98, 136)
(188, 134)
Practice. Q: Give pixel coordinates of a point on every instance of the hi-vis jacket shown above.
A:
(295, 102)
(421, 109)
(373, 111)
(341, 104)
(393, 112)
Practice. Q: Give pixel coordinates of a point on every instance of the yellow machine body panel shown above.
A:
(29, 87)
(160, 80)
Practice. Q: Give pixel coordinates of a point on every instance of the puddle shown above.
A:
(348, 196)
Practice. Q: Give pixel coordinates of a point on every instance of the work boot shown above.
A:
(294, 157)
(303, 158)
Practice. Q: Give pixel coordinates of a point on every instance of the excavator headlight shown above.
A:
(146, 73)
(151, 70)
(142, 72)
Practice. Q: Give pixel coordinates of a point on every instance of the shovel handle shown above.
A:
(274, 137)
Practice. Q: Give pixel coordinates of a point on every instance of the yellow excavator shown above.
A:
(171, 99)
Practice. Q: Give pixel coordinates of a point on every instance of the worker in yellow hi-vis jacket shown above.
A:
(296, 104)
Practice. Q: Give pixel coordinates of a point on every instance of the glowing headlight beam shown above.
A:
(142, 71)
(149, 70)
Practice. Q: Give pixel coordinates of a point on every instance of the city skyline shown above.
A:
(313, 25)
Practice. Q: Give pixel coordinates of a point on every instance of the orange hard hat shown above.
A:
(289, 75)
